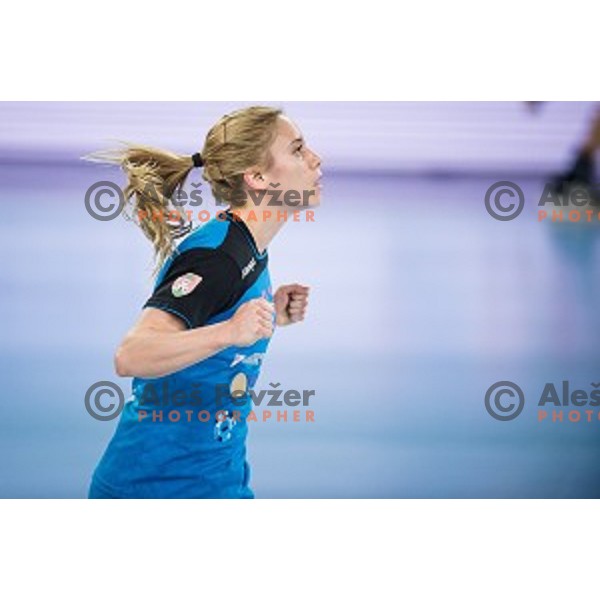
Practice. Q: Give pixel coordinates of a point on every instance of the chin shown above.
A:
(315, 199)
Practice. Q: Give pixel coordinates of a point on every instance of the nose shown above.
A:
(315, 160)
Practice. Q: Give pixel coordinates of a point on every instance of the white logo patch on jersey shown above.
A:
(254, 359)
(185, 284)
(248, 268)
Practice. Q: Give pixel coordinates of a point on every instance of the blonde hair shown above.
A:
(238, 141)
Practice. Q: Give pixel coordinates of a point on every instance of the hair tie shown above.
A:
(197, 159)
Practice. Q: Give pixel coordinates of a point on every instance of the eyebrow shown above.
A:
(296, 140)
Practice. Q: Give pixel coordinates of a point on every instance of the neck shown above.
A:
(263, 229)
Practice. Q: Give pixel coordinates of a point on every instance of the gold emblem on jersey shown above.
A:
(238, 386)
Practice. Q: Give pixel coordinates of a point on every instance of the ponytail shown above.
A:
(153, 177)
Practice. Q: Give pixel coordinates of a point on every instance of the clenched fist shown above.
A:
(290, 303)
(252, 321)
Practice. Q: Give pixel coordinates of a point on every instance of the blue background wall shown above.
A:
(420, 300)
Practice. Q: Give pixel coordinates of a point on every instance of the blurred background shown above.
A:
(420, 299)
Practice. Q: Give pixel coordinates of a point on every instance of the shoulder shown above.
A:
(210, 235)
(204, 262)
(227, 235)
(198, 284)
(200, 247)
(220, 246)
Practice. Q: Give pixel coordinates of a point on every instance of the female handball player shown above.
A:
(199, 342)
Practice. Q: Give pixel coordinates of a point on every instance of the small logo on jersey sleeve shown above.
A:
(185, 284)
(249, 268)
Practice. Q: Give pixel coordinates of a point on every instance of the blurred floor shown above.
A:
(420, 301)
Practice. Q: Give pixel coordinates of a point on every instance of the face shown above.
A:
(295, 167)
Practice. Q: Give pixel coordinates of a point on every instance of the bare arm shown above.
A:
(160, 344)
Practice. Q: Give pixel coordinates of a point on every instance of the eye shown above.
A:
(299, 149)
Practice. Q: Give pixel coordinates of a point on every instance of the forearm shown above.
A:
(150, 354)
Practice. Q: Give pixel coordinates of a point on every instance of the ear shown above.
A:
(254, 179)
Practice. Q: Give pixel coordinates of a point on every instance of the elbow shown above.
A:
(121, 363)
